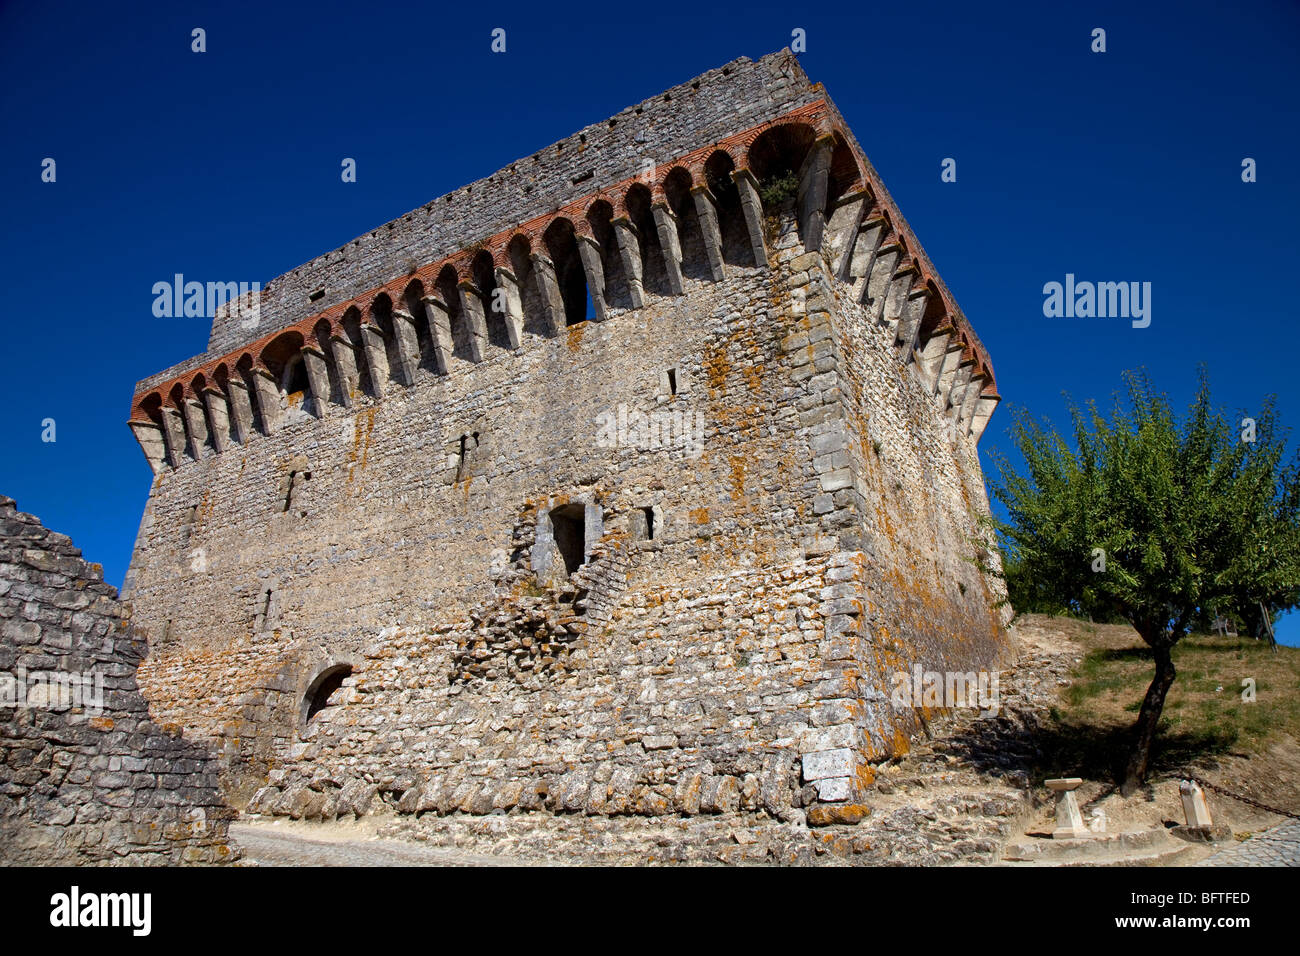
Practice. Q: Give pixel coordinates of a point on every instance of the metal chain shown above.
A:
(1236, 796)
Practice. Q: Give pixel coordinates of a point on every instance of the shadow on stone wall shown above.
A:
(85, 776)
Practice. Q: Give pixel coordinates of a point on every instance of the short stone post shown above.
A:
(1069, 822)
(1200, 827)
(1195, 808)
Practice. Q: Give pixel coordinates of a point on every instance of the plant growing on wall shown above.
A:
(777, 189)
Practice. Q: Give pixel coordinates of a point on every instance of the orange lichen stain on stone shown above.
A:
(737, 477)
(716, 368)
(866, 776)
(101, 723)
(362, 427)
(370, 427)
(699, 515)
(573, 336)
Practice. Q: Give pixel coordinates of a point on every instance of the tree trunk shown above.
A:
(1144, 732)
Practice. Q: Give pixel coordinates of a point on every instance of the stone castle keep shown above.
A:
(619, 482)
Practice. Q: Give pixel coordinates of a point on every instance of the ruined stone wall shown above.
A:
(85, 776)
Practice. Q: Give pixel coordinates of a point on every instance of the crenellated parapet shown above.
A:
(693, 217)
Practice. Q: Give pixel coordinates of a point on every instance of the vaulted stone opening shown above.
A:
(568, 525)
(562, 246)
(565, 535)
(736, 249)
(322, 691)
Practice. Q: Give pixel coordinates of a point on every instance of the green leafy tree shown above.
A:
(1152, 520)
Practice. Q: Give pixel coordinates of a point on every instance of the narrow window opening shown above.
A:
(672, 381)
(649, 523)
(266, 618)
(293, 493)
(468, 442)
(316, 296)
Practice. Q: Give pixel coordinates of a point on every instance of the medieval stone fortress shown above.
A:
(391, 556)
(624, 483)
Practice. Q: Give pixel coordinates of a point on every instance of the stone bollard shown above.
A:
(1199, 828)
(1195, 809)
(1069, 822)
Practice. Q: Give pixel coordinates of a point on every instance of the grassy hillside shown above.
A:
(1206, 725)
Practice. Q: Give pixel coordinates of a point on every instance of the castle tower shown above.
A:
(636, 477)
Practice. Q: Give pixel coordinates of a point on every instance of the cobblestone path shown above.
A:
(1279, 846)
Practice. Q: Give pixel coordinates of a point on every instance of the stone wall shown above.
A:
(85, 776)
(646, 520)
(822, 536)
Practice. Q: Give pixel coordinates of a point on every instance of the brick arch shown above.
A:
(779, 149)
(482, 271)
(519, 241)
(690, 237)
(456, 265)
(736, 249)
(518, 253)
(678, 177)
(935, 317)
(245, 363)
(150, 407)
(321, 333)
(276, 353)
(600, 218)
(561, 244)
(846, 173)
(447, 288)
(281, 358)
(320, 336)
(734, 151)
(598, 214)
(412, 294)
(381, 305)
(637, 206)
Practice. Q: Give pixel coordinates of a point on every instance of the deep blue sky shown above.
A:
(1119, 166)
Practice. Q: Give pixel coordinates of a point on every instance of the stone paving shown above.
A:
(1279, 846)
(265, 845)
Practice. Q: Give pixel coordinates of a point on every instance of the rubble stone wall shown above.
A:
(85, 776)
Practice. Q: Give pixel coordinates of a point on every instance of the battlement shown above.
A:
(673, 192)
